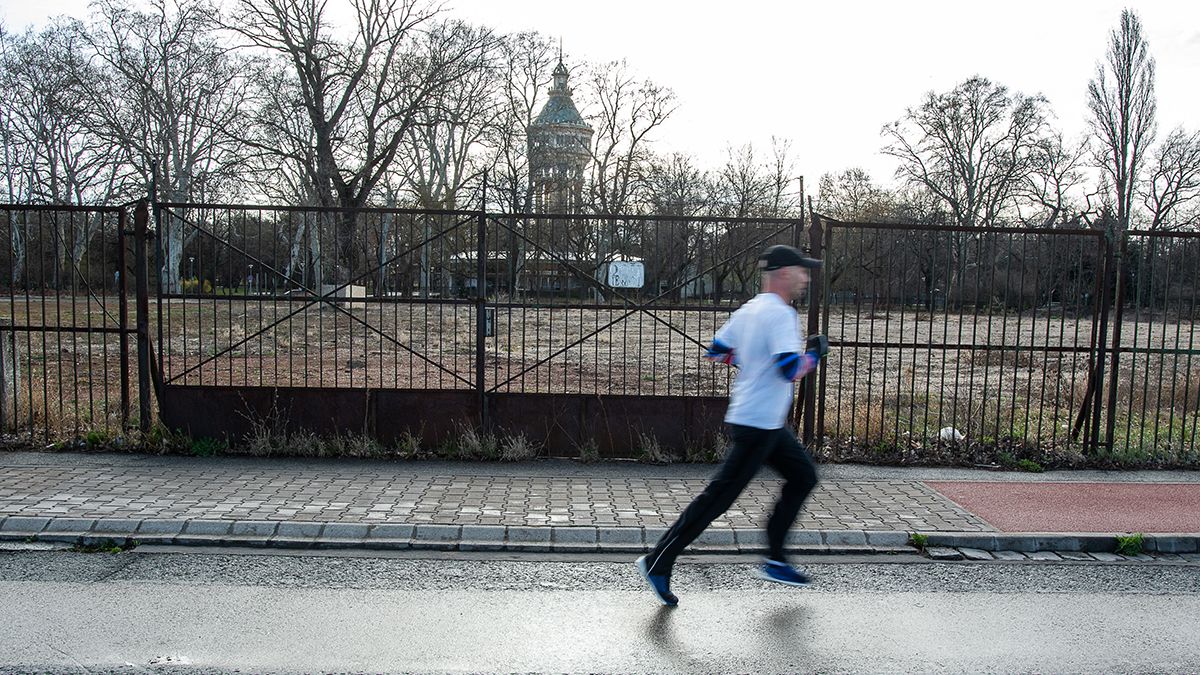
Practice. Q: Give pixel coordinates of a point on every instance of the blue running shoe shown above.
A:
(783, 573)
(659, 583)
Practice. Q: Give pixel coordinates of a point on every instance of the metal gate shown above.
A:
(65, 336)
(395, 321)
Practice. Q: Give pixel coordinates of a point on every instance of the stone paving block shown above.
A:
(1105, 556)
(803, 539)
(69, 525)
(838, 538)
(1191, 557)
(345, 531)
(620, 535)
(429, 533)
(751, 541)
(253, 528)
(651, 534)
(120, 526)
(296, 530)
(159, 527)
(1073, 542)
(1166, 543)
(943, 553)
(975, 554)
(206, 528)
(1044, 556)
(525, 534)
(716, 536)
(23, 525)
(482, 538)
(575, 535)
(981, 541)
(887, 538)
(392, 531)
(1076, 555)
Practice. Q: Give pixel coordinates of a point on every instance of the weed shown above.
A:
(589, 451)
(1029, 465)
(1130, 544)
(477, 444)
(107, 546)
(707, 453)
(409, 444)
(918, 540)
(208, 447)
(518, 448)
(649, 450)
(96, 438)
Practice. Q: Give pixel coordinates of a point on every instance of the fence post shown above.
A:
(815, 293)
(8, 390)
(123, 312)
(1102, 339)
(141, 220)
(481, 311)
(1118, 318)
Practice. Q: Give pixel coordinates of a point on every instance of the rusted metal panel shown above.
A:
(562, 423)
(434, 415)
(234, 412)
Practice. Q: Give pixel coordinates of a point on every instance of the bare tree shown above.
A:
(1171, 191)
(1056, 173)
(444, 148)
(361, 97)
(169, 94)
(787, 197)
(525, 73)
(50, 143)
(971, 146)
(627, 112)
(1123, 105)
(852, 196)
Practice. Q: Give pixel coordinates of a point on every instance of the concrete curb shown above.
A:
(399, 536)
(1087, 542)
(552, 538)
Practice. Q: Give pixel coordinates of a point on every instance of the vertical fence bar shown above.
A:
(123, 309)
(1111, 266)
(480, 309)
(141, 218)
(815, 294)
(1114, 373)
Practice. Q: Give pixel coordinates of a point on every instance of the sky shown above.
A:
(829, 75)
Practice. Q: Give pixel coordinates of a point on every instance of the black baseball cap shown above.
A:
(782, 255)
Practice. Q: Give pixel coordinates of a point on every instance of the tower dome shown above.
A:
(559, 149)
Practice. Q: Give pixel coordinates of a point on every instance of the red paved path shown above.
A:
(1079, 507)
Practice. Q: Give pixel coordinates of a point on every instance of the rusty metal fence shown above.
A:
(65, 330)
(942, 334)
(1060, 339)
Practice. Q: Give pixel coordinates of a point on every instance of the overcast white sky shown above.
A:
(829, 75)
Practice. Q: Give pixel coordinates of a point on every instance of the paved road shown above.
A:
(178, 612)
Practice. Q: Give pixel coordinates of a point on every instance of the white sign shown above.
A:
(626, 275)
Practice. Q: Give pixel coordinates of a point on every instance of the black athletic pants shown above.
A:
(751, 449)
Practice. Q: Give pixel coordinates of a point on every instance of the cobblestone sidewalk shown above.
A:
(188, 492)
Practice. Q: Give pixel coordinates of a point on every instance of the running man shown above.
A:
(762, 340)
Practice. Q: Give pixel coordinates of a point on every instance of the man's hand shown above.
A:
(721, 353)
(817, 344)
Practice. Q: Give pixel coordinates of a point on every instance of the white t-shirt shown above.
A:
(757, 331)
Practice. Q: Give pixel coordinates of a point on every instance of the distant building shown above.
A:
(560, 144)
